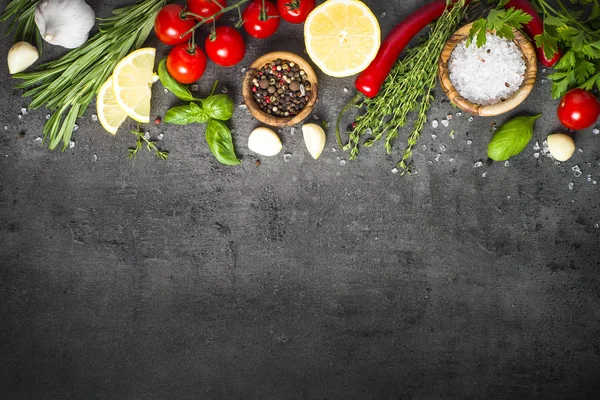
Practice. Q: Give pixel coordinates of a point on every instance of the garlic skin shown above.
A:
(65, 23)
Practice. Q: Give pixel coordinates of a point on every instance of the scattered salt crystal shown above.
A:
(470, 119)
(536, 155)
(469, 142)
(242, 106)
(597, 225)
(589, 178)
(487, 74)
(38, 140)
(437, 157)
(434, 124)
(506, 163)
(342, 162)
(449, 116)
(395, 171)
(316, 117)
(594, 182)
(442, 148)
(75, 127)
(543, 81)
(166, 90)
(570, 185)
(24, 111)
(507, 197)
(20, 116)
(430, 162)
(243, 70)
(194, 87)
(580, 150)
(287, 157)
(433, 136)
(161, 136)
(478, 164)
(445, 122)
(95, 158)
(595, 131)
(48, 116)
(292, 130)
(544, 70)
(383, 15)
(71, 144)
(484, 174)
(458, 114)
(451, 159)
(224, 90)
(5, 127)
(424, 147)
(576, 171)
(147, 135)
(345, 90)
(368, 131)
(94, 117)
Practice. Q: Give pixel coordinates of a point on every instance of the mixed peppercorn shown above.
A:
(281, 88)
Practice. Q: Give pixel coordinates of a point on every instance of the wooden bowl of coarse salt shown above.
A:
(489, 80)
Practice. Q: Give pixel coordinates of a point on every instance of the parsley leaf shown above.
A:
(500, 21)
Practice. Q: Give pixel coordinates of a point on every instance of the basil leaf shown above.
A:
(218, 137)
(179, 90)
(511, 138)
(183, 115)
(218, 106)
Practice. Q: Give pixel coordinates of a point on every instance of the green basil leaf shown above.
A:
(511, 138)
(218, 137)
(183, 115)
(218, 106)
(179, 90)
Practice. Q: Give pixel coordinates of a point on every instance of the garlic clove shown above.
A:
(561, 146)
(65, 23)
(265, 142)
(21, 56)
(314, 138)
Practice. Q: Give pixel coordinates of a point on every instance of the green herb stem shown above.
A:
(21, 13)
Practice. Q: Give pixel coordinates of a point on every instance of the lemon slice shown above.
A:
(132, 82)
(342, 37)
(110, 114)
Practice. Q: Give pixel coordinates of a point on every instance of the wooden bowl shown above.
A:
(514, 100)
(271, 119)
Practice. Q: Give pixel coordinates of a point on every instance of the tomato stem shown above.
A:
(202, 20)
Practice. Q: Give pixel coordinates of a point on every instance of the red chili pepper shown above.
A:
(533, 28)
(369, 82)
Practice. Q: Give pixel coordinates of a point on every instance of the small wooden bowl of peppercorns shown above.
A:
(280, 89)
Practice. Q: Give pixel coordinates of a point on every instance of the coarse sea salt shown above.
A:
(487, 74)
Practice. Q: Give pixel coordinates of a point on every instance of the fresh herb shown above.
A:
(21, 14)
(511, 138)
(580, 65)
(213, 110)
(218, 137)
(150, 145)
(408, 87)
(499, 20)
(67, 85)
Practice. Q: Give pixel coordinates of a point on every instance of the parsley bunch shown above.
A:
(580, 65)
(499, 20)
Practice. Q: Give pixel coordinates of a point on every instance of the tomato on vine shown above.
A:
(169, 25)
(185, 63)
(295, 11)
(261, 19)
(206, 8)
(226, 46)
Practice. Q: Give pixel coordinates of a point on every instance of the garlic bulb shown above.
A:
(65, 23)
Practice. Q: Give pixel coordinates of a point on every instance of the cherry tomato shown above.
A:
(261, 24)
(184, 65)
(228, 48)
(578, 109)
(206, 8)
(295, 11)
(169, 26)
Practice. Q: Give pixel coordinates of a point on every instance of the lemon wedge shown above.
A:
(342, 37)
(110, 114)
(132, 82)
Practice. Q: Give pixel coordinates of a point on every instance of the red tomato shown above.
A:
(578, 109)
(169, 26)
(206, 8)
(228, 48)
(261, 24)
(295, 11)
(186, 66)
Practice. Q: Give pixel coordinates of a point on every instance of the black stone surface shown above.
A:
(186, 279)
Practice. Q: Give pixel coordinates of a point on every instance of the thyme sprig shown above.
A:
(67, 85)
(408, 88)
(150, 145)
(21, 14)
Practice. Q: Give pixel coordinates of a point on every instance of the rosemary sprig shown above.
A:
(67, 85)
(150, 145)
(408, 87)
(22, 16)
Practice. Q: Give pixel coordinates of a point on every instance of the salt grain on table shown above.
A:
(487, 74)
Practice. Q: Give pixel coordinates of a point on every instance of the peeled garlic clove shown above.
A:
(265, 142)
(65, 23)
(314, 138)
(21, 56)
(561, 146)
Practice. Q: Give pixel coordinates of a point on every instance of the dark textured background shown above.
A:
(305, 279)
